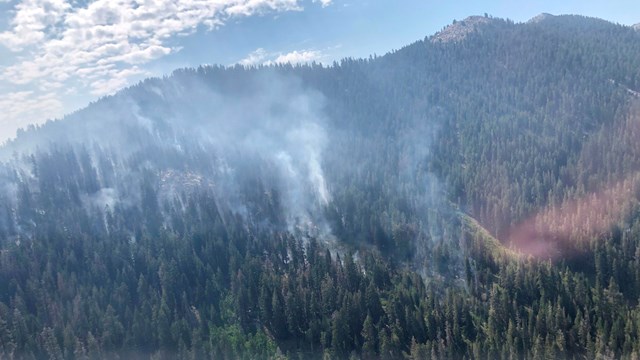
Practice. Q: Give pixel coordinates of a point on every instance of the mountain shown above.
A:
(474, 194)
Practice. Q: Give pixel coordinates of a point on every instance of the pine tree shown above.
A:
(279, 320)
(369, 338)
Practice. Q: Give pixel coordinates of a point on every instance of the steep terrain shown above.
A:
(471, 195)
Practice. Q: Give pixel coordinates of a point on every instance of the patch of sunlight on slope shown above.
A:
(492, 245)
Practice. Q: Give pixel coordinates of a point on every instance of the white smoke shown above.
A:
(270, 127)
(273, 119)
(103, 198)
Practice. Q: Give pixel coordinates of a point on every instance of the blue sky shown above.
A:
(58, 55)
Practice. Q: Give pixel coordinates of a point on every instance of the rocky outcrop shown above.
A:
(460, 29)
(539, 18)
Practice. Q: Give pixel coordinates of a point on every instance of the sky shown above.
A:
(56, 56)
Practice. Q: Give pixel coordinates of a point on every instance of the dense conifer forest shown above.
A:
(454, 199)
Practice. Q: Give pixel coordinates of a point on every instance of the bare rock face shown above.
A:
(539, 18)
(460, 29)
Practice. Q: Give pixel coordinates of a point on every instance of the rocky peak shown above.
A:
(539, 18)
(460, 29)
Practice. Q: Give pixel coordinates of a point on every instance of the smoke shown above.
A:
(554, 231)
(255, 142)
(277, 125)
(431, 221)
(267, 131)
(103, 198)
(312, 138)
(606, 191)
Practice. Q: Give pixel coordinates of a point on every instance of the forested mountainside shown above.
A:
(473, 195)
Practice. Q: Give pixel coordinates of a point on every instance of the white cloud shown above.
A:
(256, 57)
(104, 44)
(250, 7)
(298, 57)
(114, 79)
(21, 108)
(261, 57)
(324, 3)
(64, 40)
(31, 20)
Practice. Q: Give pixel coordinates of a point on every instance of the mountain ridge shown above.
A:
(455, 32)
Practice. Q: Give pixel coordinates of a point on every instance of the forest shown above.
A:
(468, 199)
